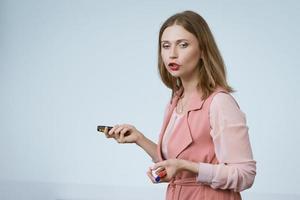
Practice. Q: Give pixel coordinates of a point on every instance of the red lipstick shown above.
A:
(174, 66)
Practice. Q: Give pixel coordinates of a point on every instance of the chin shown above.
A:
(175, 74)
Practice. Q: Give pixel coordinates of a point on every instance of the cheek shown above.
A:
(164, 58)
(192, 57)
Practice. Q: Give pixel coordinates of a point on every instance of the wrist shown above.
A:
(140, 138)
(185, 165)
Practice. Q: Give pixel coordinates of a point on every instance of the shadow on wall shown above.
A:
(11, 190)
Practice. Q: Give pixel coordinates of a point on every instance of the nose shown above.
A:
(173, 53)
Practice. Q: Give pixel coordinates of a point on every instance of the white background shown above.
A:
(68, 66)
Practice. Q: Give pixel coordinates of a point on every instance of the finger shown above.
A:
(150, 175)
(159, 165)
(159, 170)
(125, 130)
(111, 132)
(107, 135)
(159, 177)
(106, 132)
(127, 125)
(119, 129)
(118, 134)
(122, 134)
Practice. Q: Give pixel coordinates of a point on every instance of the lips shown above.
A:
(174, 66)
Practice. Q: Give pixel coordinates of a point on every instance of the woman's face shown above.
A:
(180, 52)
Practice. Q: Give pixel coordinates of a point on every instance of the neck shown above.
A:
(189, 85)
(189, 88)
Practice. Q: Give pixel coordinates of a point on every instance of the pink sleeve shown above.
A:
(236, 169)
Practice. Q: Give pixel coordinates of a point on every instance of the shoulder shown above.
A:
(224, 106)
(222, 100)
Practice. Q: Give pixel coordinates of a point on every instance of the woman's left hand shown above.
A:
(172, 167)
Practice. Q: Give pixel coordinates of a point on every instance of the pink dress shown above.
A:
(215, 135)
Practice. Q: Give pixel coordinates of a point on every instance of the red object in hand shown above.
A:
(162, 174)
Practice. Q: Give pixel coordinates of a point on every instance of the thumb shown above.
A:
(158, 165)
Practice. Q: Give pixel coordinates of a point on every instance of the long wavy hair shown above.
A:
(211, 65)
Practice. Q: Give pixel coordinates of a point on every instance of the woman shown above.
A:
(203, 145)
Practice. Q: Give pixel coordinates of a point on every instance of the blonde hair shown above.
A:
(211, 65)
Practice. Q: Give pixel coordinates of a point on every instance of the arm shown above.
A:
(129, 134)
(148, 146)
(236, 169)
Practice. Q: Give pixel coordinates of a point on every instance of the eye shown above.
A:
(165, 45)
(183, 44)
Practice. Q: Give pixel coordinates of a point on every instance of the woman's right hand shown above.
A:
(124, 133)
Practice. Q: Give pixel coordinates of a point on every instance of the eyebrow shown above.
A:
(180, 40)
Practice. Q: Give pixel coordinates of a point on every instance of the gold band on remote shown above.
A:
(101, 128)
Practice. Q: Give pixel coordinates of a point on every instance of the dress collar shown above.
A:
(195, 101)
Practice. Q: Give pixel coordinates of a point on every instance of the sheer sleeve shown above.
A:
(236, 169)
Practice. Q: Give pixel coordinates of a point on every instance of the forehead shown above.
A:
(176, 32)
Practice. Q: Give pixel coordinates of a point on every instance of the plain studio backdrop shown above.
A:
(68, 66)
